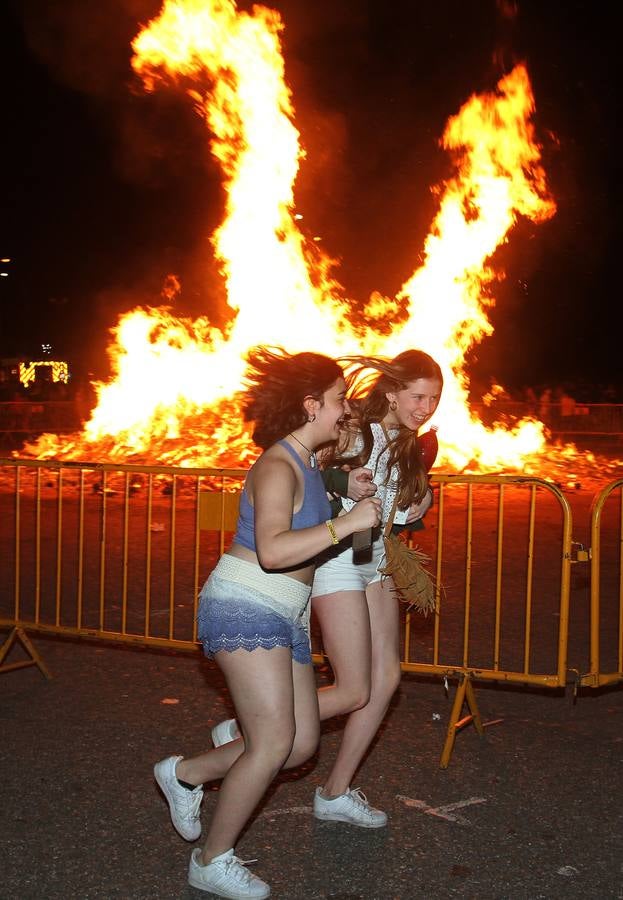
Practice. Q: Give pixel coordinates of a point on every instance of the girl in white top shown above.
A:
(356, 607)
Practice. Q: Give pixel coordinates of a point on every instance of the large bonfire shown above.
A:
(172, 395)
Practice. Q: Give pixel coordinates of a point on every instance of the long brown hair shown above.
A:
(370, 378)
(277, 383)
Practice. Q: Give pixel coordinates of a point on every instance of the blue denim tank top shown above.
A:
(315, 508)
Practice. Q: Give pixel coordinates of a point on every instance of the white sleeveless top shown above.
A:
(377, 462)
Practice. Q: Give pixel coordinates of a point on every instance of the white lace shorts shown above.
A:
(242, 606)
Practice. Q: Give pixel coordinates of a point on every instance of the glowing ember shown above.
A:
(171, 396)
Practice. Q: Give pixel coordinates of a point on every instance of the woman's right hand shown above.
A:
(365, 514)
(360, 484)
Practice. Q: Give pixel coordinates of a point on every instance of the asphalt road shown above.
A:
(530, 811)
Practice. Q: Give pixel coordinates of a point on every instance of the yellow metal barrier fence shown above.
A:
(606, 610)
(119, 552)
(502, 574)
(116, 552)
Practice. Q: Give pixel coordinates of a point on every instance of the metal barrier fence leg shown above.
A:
(464, 692)
(18, 634)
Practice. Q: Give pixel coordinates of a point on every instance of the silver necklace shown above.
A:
(313, 462)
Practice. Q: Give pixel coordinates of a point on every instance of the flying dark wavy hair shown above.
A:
(277, 383)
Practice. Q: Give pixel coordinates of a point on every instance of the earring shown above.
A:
(393, 406)
(312, 418)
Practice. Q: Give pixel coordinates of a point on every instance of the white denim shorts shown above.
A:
(340, 573)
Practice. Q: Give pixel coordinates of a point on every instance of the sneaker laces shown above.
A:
(235, 868)
(193, 803)
(360, 799)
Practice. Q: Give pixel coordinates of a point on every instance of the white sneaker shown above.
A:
(183, 804)
(225, 732)
(226, 876)
(351, 807)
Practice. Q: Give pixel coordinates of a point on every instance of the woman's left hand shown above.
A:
(418, 510)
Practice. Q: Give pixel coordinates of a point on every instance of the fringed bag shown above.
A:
(412, 582)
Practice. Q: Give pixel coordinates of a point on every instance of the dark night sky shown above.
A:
(106, 189)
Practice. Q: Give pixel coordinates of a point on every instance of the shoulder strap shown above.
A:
(294, 455)
(390, 521)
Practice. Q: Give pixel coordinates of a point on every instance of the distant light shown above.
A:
(46, 348)
(296, 216)
(5, 260)
(4, 274)
(28, 371)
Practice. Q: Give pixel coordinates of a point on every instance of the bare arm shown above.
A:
(277, 545)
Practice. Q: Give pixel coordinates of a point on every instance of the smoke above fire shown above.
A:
(172, 396)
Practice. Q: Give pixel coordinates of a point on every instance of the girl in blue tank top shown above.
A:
(254, 611)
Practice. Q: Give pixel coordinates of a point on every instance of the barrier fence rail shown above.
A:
(109, 551)
(119, 552)
(606, 588)
(502, 576)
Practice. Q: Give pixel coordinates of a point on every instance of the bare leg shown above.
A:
(344, 619)
(307, 721)
(345, 624)
(215, 764)
(269, 691)
(361, 638)
(364, 722)
(211, 765)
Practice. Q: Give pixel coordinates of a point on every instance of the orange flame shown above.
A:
(172, 392)
(498, 178)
